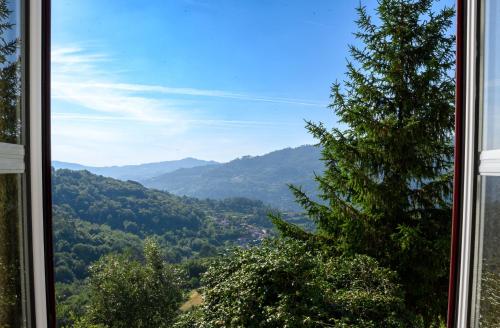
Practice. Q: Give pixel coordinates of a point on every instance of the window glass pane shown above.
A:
(12, 270)
(10, 74)
(488, 254)
(13, 300)
(491, 69)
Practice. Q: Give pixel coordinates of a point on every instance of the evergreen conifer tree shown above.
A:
(10, 130)
(387, 183)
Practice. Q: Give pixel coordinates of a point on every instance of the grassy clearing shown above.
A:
(195, 299)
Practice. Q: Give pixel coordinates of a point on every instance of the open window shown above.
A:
(24, 262)
(26, 278)
(478, 140)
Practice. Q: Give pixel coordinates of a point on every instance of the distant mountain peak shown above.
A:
(264, 177)
(137, 172)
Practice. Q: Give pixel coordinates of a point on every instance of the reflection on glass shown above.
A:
(488, 282)
(10, 76)
(11, 272)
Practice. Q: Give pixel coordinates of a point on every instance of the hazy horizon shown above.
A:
(178, 159)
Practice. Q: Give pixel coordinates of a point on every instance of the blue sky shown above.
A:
(143, 81)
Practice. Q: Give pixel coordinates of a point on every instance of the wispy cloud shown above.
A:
(100, 119)
(194, 122)
(202, 93)
(77, 78)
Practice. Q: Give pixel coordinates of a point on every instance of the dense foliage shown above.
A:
(122, 205)
(85, 229)
(126, 293)
(287, 284)
(94, 216)
(78, 243)
(388, 177)
(488, 306)
(10, 255)
(261, 177)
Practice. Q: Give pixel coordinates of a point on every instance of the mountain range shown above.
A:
(95, 214)
(135, 172)
(265, 178)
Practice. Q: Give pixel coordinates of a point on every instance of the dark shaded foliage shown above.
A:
(387, 183)
(285, 283)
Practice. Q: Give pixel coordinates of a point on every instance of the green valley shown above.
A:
(95, 216)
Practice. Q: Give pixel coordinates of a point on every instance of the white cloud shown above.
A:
(202, 93)
(127, 123)
(76, 78)
(191, 122)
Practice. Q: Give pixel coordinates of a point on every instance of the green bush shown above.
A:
(127, 293)
(285, 283)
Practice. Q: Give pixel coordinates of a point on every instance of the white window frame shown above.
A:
(468, 166)
(475, 165)
(36, 162)
(15, 159)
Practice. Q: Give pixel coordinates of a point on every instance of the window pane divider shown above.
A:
(11, 158)
(489, 162)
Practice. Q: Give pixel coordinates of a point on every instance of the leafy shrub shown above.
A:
(285, 283)
(127, 293)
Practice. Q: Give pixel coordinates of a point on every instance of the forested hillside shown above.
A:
(265, 178)
(94, 215)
